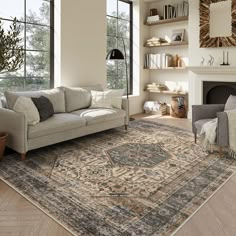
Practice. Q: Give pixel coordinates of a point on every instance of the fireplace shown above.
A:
(217, 92)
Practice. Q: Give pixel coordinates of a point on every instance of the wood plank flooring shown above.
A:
(19, 217)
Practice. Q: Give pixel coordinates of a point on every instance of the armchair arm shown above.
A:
(15, 125)
(222, 133)
(125, 106)
(208, 111)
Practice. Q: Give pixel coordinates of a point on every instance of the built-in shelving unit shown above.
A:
(167, 21)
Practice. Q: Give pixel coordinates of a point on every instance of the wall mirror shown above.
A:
(217, 23)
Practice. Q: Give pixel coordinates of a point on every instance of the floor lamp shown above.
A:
(116, 54)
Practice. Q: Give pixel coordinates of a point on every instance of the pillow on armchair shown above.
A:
(231, 103)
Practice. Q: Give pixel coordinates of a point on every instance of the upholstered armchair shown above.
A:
(204, 113)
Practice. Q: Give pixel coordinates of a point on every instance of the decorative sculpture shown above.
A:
(202, 61)
(210, 61)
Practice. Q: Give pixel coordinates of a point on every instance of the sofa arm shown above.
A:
(222, 135)
(15, 125)
(125, 106)
(208, 111)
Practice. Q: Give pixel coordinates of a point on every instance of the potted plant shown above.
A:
(11, 59)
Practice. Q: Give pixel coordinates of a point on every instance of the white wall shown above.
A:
(83, 42)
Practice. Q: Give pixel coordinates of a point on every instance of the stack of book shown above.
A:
(176, 10)
(154, 41)
(158, 61)
(153, 87)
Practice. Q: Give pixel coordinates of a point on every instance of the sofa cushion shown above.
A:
(44, 106)
(26, 106)
(100, 115)
(76, 98)
(198, 124)
(230, 103)
(56, 124)
(56, 96)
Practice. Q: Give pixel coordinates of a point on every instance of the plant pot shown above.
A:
(3, 141)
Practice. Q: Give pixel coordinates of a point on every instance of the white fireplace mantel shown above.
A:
(212, 69)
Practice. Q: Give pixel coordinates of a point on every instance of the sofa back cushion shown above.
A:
(230, 103)
(56, 97)
(77, 98)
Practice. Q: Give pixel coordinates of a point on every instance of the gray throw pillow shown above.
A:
(231, 103)
(44, 106)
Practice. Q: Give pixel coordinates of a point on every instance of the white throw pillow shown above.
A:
(25, 105)
(101, 99)
(107, 99)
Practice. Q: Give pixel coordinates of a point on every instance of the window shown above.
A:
(35, 18)
(119, 30)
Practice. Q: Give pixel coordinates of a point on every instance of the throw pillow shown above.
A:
(107, 99)
(44, 106)
(77, 98)
(230, 103)
(26, 106)
(101, 99)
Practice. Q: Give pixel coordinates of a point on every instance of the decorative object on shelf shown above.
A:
(210, 61)
(177, 35)
(3, 141)
(178, 107)
(206, 40)
(227, 59)
(176, 60)
(153, 12)
(154, 42)
(155, 108)
(202, 61)
(156, 87)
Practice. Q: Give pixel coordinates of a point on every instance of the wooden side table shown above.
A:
(3, 141)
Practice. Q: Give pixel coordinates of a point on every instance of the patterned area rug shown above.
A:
(146, 181)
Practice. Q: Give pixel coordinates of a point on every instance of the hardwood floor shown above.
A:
(216, 218)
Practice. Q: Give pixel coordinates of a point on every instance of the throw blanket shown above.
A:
(208, 133)
(232, 132)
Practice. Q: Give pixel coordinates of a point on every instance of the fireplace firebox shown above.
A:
(217, 92)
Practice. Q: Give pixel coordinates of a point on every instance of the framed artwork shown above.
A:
(217, 23)
(177, 35)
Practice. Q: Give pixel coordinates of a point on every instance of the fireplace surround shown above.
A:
(215, 92)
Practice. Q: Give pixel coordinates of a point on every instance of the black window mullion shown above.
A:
(24, 84)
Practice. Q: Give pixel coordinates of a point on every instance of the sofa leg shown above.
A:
(126, 127)
(195, 137)
(22, 156)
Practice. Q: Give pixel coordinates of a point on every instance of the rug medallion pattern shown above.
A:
(144, 181)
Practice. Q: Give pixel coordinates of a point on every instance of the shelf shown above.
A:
(168, 45)
(166, 92)
(213, 69)
(167, 68)
(167, 21)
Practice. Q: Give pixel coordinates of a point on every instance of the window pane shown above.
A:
(6, 26)
(123, 10)
(10, 9)
(38, 11)
(37, 64)
(111, 43)
(124, 28)
(112, 7)
(37, 37)
(111, 26)
(13, 84)
(37, 83)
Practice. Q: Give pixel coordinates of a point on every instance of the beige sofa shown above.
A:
(73, 118)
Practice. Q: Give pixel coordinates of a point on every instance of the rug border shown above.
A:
(196, 211)
(75, 234)
(40, 208)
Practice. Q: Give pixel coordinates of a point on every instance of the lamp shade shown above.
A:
(115, 54)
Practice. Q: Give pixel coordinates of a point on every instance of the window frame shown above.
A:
(51, 43)
(130, 20)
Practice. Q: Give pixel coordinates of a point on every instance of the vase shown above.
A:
(3, 141)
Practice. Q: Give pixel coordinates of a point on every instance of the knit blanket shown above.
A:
(232, 131)
(208, 133)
